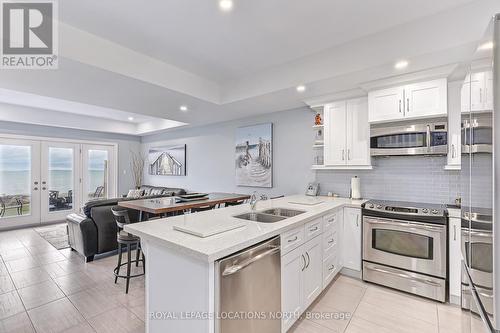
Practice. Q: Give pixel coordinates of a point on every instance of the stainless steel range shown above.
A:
(404, 247)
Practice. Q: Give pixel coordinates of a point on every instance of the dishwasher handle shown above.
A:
(238, 267)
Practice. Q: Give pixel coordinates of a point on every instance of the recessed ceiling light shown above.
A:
(301, 88)
(485, 46)
(226, 5)
(183, 108)
(401, 64)
(130, 118)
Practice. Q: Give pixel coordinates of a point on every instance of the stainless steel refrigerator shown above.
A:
(480, 186)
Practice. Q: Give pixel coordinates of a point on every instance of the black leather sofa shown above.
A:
(94, 231)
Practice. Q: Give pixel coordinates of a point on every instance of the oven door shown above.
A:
(414, 246)
(477, 245)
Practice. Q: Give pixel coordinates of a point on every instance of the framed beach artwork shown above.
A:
(254, 156)
(167, 160)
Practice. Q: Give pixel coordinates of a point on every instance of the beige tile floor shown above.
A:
(46, 290)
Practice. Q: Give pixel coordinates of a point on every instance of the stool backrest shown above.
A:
(121, 216)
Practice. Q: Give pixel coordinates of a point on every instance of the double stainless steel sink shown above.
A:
(270, 215)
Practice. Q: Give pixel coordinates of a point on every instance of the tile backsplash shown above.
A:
(402, 178)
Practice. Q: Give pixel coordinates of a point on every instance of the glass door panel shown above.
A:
(19, 182)
(98, 172)
(60, 179)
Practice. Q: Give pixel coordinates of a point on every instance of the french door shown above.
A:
(43, 181)
(19, 182)
(98, 179)
(60, 170)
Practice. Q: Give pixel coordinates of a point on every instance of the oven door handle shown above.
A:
(405, 276)
(409, 224)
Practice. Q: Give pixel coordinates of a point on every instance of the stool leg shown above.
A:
(129, 253)
(119, 261)
(137, 255)
(143, 263)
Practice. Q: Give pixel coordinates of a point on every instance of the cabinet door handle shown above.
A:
(304, 260)
(343, 153)
(480, 95)
(330, 241)
(293, 240)
(399, 106)
(454, 232)
(357, 220)
(408, 105)
(308, 259)
(349, 154)
(331, 268)
(453, 151)
(314, 229)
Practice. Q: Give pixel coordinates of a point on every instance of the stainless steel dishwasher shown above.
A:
(248, 290)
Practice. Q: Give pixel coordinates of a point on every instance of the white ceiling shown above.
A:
(196, 36)
(148, 59)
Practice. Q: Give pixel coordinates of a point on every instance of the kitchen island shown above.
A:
(181, 291)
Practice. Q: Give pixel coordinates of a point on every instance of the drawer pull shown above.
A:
(331, 268)
(314, 229)
(293, 240)
(331, 241)
(331, 220)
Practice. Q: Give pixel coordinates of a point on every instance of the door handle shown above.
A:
(428, 137)
(238, 267)
(480, 95)
(293, 240)
(308, 259)
(35, 189)
(44, 188)
(349, 154)
(304, 260)
(405, 276)
(454, 232)
(343, 153)
(399, 106)
(357, 220)
(313, 229)
(331, 268)
(408, 105)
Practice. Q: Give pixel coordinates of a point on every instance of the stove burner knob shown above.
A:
(371, 205)
(379, 206)
(425, 210)
(434, 211)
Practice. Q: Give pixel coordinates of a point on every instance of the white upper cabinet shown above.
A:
(418, 100)
(477, 92)
(386, 104)
(358, 132)
(347, 134)
(426, 99)
(335, 133)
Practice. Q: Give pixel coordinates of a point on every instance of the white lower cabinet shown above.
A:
(455, 257)
(351, 239)
(313, 272)
(308, 268)
(292, 286)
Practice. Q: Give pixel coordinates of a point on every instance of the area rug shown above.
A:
(56, 235)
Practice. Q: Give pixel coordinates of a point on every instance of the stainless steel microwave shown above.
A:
(418, 138)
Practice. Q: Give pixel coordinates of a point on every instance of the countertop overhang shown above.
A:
(212, 248)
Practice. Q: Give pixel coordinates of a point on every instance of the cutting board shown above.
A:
(203, 229)
(310, 201)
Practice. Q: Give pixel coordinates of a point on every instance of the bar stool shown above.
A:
(125, 239)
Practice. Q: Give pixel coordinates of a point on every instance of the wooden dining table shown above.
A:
(160, 206)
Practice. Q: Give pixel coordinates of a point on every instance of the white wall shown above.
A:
(211, 154)
(126, 143)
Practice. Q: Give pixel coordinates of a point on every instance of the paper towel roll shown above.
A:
(355, 188)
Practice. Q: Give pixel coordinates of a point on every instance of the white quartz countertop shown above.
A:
(161, 231)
